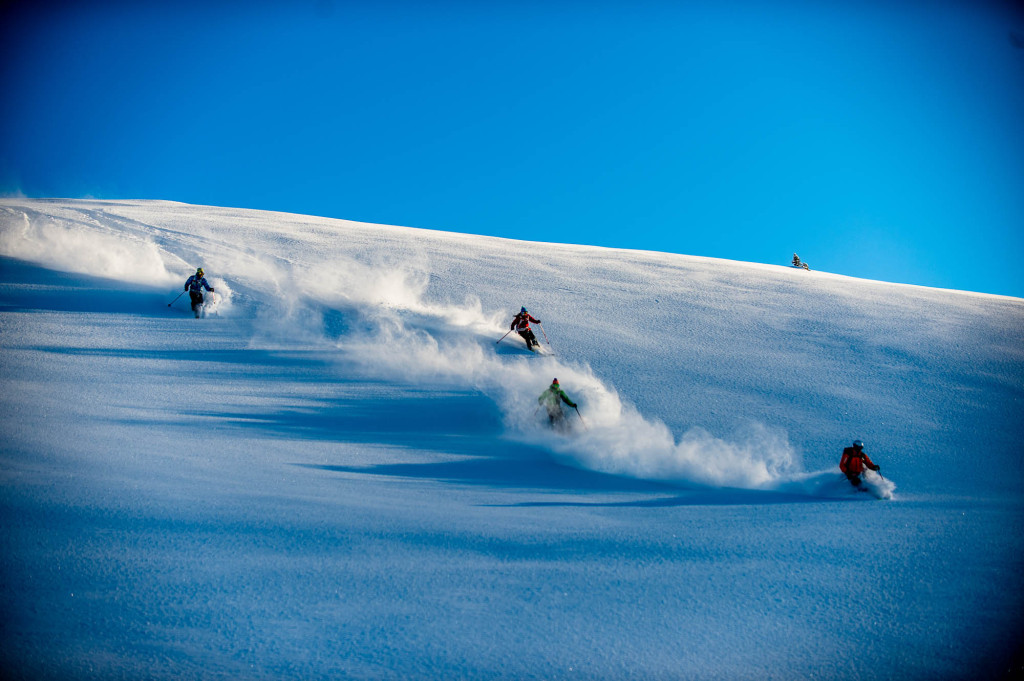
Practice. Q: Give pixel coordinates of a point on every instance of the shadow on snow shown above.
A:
(26, 287)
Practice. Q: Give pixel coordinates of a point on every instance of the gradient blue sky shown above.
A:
(878, 139)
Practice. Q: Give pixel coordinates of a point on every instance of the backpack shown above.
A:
(852, 462)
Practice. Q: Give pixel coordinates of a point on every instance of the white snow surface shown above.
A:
(339, 473)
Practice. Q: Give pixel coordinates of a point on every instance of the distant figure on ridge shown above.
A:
(195, 285)
(551, 399)
(799, 263)
(521, 325)
(854, 462)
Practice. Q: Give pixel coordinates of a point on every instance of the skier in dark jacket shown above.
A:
(195, 285)
(854, 461)
(552, 399)
(521, 325)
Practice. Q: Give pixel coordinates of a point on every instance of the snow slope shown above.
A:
(339, 474)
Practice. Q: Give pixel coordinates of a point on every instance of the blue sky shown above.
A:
(877, 139)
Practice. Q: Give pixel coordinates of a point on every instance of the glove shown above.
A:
(212, 290)
(877, 468)
(538, 321)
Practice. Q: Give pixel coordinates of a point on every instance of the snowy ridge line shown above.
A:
(288, 278)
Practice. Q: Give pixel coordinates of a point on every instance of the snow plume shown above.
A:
(78, 248)
(382, 305)
(628, 444)
(386, 288)
(611, 436)
(403, 336)
(833, 484)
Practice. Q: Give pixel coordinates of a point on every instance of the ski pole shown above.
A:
(175, 299)
(581, 418)
(503, 337)
(546, 337)
(545, 333)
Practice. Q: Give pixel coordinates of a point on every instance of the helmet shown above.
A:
(199, 271)
(554, 382)
(857, 444)
(522, 310)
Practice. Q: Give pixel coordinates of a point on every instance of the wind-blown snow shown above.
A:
(361, 360)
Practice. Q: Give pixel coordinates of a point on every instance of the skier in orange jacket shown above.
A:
(854, 462)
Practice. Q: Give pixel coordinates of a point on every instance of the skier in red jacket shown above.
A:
(854, 462)
(521, 325)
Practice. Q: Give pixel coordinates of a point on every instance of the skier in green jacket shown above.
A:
(552, 399)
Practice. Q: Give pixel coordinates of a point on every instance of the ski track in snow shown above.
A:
(387, 323)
